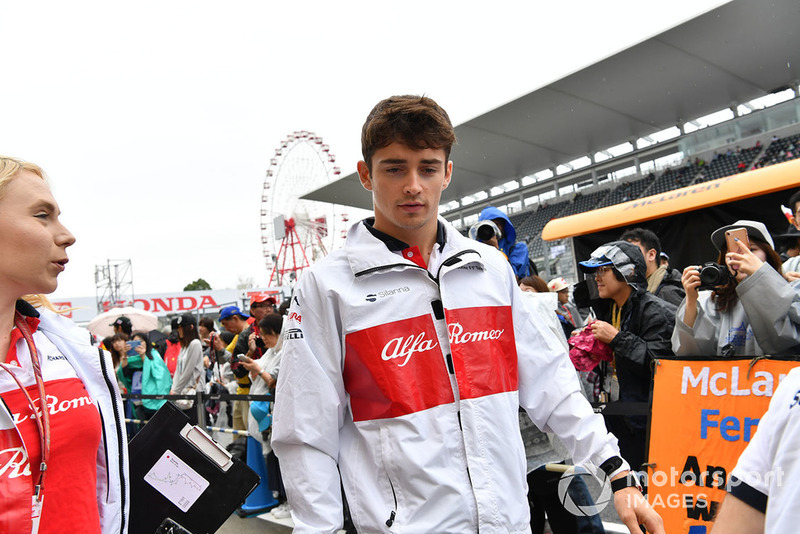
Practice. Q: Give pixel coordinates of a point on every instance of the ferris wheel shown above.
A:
(296, 233)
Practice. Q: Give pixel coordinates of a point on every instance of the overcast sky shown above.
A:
(156, 121)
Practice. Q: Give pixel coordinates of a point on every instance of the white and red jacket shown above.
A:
(95, 370)
(409, 380)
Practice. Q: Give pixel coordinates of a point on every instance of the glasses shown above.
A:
(601, 271)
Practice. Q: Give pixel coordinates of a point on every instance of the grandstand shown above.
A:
(529, 223)
(723, 100)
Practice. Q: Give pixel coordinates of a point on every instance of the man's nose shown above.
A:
(413, 183)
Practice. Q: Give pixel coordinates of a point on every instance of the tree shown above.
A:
(197, 285)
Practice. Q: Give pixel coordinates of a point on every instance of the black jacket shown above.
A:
(671, 288)
(645, 334)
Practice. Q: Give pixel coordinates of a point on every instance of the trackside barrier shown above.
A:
(200, 399)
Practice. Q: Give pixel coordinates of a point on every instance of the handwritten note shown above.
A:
(175, 480)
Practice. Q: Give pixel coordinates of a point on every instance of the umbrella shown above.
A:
(101, 327)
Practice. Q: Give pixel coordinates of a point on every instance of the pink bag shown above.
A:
(586, 351)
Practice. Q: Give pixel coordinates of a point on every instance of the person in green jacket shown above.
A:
(153, 375)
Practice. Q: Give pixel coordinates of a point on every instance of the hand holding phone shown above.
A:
(132, 347)
(245, 359)
(736, 233)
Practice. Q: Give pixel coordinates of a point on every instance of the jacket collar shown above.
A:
(26, 309)
(367, 248)
(394, 244)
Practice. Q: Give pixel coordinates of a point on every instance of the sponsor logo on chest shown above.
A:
(403, 348)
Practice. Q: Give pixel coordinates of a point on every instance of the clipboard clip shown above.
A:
(206, 444)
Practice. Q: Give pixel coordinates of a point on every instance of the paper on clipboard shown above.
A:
(175, 480)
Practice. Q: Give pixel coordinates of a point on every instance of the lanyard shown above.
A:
(616, 316)
(569, 315)
(42, 416)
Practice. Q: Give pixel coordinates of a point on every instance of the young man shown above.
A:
(637, 326)
(662, 281)
(407, 355)
(123, 326)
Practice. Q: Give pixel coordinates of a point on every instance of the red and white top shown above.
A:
(75, 430)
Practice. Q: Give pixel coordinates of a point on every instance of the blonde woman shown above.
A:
(61, 432)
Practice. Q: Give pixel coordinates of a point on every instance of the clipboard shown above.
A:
(178, 472)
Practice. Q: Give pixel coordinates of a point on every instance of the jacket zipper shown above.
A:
(390, 521)
(452, 260)
(120, 440)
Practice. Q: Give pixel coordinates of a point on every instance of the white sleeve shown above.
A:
(550, 392)
(773, 308)
(701, 339)
(309, 410)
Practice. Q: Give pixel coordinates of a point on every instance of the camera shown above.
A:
(485, 230)
(236, 367)
(713, 275)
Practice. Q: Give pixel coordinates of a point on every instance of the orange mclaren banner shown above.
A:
(704, 414)
(728, 189)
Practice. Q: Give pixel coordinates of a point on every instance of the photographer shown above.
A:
(750, 310)
(494, 228)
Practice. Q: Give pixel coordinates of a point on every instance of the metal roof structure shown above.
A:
(730, 55)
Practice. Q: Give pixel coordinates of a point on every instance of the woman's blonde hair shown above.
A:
(9, 169)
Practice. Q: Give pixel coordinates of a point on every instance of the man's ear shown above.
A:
(651, 255)
(363, 175)
(448, 175)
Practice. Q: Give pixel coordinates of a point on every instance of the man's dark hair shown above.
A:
(647, 238)
(793, 200)
(415, 121)
(271, 323)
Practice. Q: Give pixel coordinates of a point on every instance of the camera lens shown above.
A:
(713, 275)
(485, 232)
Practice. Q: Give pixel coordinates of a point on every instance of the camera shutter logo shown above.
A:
(602, 500)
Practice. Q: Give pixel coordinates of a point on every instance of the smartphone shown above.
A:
(135, 343)
(736, 233)
(245, 359)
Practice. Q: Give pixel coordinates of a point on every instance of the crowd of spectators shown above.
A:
(241, 357)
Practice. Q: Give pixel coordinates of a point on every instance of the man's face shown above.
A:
(259, 310)
(406, 186)
(234, 324)
(649, 256)
(796, 216)
(607, 284)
